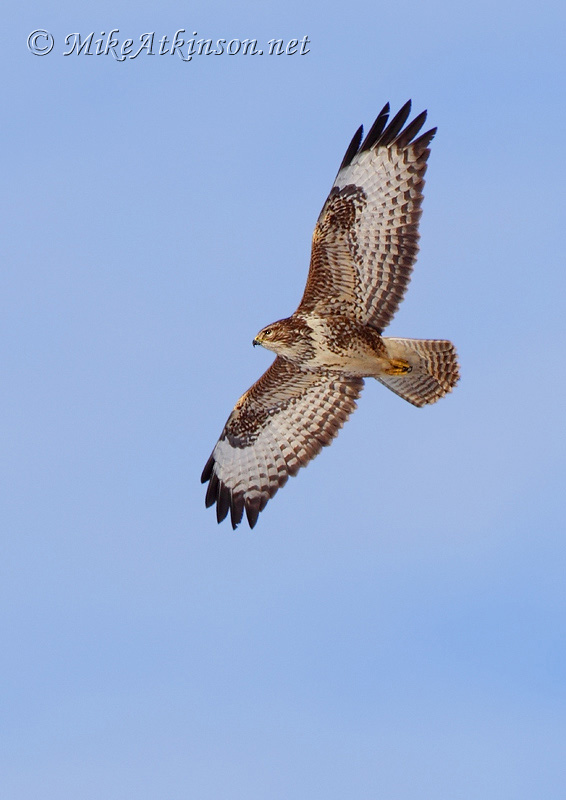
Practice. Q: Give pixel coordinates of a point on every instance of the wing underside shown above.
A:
(365, 241)
(278, 426)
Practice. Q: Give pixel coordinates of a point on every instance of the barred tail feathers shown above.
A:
(434, 369)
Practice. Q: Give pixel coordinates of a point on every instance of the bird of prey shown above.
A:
(363, 250)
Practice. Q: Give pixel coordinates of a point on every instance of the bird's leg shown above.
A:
(398, 366)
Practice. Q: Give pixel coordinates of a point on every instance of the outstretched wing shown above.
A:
(365, 240)
(276, 427)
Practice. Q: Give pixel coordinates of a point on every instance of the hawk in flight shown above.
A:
(363, 250)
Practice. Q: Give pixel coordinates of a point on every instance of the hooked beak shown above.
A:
(256, 342)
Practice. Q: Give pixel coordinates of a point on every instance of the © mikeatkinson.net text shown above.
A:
(41, 42)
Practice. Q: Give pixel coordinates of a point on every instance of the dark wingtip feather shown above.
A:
(207, 471)
(236, 509)
(252, 513)
(411, 130)
(223, 502)
(212, 491)
(424, 140)
(395, 125)
(352, 148)
(376, 129)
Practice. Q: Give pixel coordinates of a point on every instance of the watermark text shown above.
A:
(41, 43)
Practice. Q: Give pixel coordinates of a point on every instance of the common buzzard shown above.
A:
(363, 250)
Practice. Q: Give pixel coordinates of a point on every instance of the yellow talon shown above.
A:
(398, 367)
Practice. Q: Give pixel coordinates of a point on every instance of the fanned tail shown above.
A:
(432, 373)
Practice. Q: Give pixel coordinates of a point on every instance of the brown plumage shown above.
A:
(364, 247)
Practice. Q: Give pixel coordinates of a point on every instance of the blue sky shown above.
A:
(395, 625)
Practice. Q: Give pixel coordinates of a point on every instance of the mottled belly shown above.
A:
(360, 364)
(343, 345)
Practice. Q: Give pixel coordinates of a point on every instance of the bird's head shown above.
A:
(286, 337)
(273, 336)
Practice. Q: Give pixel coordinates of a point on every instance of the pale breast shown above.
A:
(341, 343)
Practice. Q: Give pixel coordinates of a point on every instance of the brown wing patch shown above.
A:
(333, 282)
(276, 427)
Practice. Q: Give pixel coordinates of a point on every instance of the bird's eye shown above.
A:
(268, 331)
